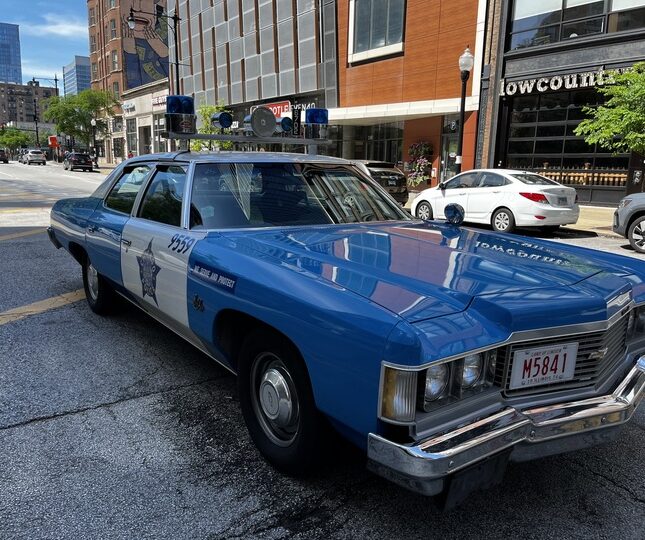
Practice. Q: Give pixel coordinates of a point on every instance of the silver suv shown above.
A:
(34, 156)
(629, 220)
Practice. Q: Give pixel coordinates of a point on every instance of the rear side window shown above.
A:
(125, 191)
(165, 193)
(534, 179)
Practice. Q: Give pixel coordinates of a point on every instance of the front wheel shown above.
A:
(424, 211)
(98, 292)
(503, 220)
(636, 235)
(278, 404)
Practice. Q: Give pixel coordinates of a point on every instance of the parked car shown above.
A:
(442, 351)
(77, 160)
(4, 156)
(389, 176)
(504, 199)
(629, 220)
(34, 156)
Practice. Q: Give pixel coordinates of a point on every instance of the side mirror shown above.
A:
(455, 214)
(441, 186)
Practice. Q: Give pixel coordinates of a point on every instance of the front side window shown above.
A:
(163, 198)
(235, 195)
(125, 191)
(465, 180)
(377, 28)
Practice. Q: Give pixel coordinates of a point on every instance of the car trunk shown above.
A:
(560, 196)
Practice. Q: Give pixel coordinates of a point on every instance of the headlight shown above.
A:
(436, 382)
(472, 370)
(623, 203)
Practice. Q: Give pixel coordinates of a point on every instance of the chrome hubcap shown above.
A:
(423, 211)
(502, 221)
(274, 399)
(639, 236)
(93, 281)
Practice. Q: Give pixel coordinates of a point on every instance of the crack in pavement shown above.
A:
(104, 405)
(632, 495)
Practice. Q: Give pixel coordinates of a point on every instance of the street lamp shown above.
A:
(466, 63)
(132, 23)
(96, 154)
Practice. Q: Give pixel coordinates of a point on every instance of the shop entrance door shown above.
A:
(449, 144)
(145, 140)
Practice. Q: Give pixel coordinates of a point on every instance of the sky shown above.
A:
(51, 34)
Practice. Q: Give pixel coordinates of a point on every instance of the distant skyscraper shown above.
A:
(76, 76)
(10, 65)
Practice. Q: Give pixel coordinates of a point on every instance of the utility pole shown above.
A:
(36, 121)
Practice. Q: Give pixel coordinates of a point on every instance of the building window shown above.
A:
(541, 138)
(95, 70)
(92, 43)
(92, 16)
(375, 28)
(117, 124)
(115, 89)
(159, 122)
(115, 60)
(111, 4)
(112, 29)
(549, 21)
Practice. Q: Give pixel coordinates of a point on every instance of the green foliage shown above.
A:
(204, 113)
(73, 114)
(619, 124)
(13, 138)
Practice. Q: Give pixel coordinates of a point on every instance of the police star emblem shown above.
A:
(148, 270)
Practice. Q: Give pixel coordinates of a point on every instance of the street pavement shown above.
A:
(113, 427)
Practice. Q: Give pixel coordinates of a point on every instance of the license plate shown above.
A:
(391, 182)
(562, 201)
(543, 365)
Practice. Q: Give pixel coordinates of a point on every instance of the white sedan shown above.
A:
(504, 199)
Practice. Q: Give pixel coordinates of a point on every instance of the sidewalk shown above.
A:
(595, 219)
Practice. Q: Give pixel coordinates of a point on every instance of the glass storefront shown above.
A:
(541, 138)
(449, 143)
(380, 142)
(131, 134)
(159, 126)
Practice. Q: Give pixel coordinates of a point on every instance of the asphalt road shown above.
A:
(116, 428)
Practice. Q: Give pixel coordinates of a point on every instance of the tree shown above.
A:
(204, 113)
(619, 124)
(13, 139)
(73, 114)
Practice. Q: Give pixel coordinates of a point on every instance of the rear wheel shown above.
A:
(278, 404)
(503, 220)
(636, 235)
(100, 295)
(424, 211)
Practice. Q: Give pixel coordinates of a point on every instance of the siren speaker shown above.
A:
(263, 122)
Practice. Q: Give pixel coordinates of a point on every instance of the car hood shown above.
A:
(421, 270)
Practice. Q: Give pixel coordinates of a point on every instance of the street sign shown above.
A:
(297, 122)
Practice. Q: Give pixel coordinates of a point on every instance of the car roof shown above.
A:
(502, 171)
(239, 157)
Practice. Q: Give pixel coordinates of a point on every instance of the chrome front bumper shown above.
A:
(529, 433)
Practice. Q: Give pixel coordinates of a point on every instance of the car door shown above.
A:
(486, 196)
(105, 226)
(156, 246)
(455, 191)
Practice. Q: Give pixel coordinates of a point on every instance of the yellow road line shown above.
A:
(40, 307)
(21, 234)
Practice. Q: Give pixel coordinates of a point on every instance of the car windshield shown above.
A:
(35, 152)
(233, 195)
(534, 179)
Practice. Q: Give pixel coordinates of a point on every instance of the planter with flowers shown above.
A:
(420, 165)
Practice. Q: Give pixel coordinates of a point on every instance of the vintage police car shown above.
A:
(442, 351)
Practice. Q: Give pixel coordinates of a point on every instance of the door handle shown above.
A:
(496, 191)
(125, 242)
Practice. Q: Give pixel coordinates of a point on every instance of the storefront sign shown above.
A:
(128, 107)
(571, 81)
(159, 100)
(285, 107)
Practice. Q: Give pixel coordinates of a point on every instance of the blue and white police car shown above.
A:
(442, 351)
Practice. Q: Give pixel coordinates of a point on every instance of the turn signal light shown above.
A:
(535, 197)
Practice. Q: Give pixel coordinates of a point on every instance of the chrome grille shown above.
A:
(588, 370)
